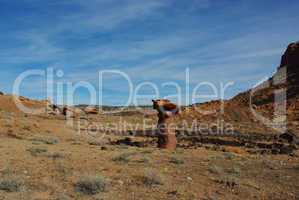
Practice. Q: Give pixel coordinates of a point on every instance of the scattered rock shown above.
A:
(104, 148)
(286, 149)
(99, 142)
(229, 181)
(120, 182)
(173, 193)
(129, 142)
(289, 137)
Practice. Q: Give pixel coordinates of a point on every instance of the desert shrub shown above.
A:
(63, 169)
(235, 170)
(45, 140)
(91, 185)
(176, 161)
(11, 184)
(228, 155)
(214, 169)
(36, 151)
(35, 143)
(152, 178)
(215, 157)
(123, 158)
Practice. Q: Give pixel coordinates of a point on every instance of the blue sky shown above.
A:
(150, 40)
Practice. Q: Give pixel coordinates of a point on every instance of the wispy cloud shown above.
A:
(149, 40)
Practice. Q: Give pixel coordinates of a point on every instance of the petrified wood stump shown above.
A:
(166, 132)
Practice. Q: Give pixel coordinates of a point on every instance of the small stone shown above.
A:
(104, 148)
(189, 178)
(120, 182)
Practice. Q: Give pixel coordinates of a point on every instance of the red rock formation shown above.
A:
(166, 133)
(262, 97)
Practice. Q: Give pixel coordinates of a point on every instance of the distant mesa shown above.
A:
(1, 93)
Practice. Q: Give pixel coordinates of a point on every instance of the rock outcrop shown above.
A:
(282, 88)
(166, 132)
(91, 110)
(290, 57)
(290, 61)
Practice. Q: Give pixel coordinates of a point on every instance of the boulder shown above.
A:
(1, 93)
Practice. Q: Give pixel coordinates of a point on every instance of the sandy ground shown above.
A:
(46, 159)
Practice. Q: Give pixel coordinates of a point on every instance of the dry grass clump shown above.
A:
(152, 178)
(90, 185)
(45, 140)
(176, 161)
(11, 184)
(214, 169)
(235, 171)
(123, 158)
(37, 151)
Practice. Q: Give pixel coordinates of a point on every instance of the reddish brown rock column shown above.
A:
(166, 133)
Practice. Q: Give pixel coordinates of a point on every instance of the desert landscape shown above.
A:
(149, 100)
(42, 157)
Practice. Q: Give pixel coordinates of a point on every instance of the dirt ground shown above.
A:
(44, 158)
